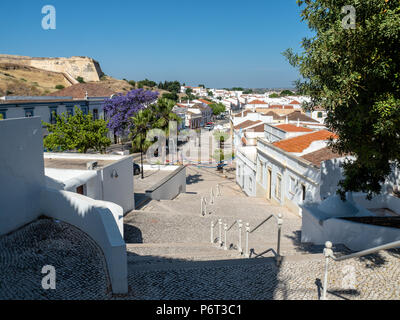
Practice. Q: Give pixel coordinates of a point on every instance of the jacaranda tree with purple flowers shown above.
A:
(121, 108)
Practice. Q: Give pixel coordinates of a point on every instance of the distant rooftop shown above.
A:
(80, 90)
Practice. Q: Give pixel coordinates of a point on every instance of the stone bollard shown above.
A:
(220, 232)
(247, 254)
(240, 236)
(327, 253)
(225, 231)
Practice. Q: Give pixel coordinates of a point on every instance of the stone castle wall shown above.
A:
(84, 67)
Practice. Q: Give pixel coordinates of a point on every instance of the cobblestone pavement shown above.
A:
(294, 280)
(81, 271)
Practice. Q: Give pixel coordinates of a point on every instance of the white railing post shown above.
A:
(240, 236)
(225, 231)
(220, 232)
(278, 249)
(212, 196)
(247, 254)
(327, 253)
(212, 232)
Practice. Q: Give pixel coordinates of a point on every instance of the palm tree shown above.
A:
(163, 112)
(142, 123)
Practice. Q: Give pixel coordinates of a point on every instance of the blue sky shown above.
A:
(218, 43)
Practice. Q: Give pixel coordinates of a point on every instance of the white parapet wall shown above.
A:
(324, 222)
(98, 220)
(170, 186)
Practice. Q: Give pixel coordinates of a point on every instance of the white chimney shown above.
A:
(298, 122)
(287, 120)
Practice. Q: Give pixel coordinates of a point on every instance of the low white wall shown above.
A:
(356, 236)
(98, 221)
(169, 187)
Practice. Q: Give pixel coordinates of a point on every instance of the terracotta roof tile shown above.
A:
(320, 155)
(258, 128)
(205, 101)
(294, 102)
(292, 128)
(300, 143)
(298, 115)
(246, 124)
(257, 102)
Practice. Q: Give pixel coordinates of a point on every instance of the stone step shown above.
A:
(171, 250)
(150, 253)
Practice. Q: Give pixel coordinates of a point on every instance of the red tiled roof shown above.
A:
(239, 115)
(276, 106)
(205, 101)
(292, 128)
(299, 116)
(181, 105)
(294, 102)
(258, 128)
(257, 102)
(245, 124)
(300, 143)
(320, 155)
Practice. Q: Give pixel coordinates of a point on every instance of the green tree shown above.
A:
(217, 108)
(354, 73)
(171, 96)
(219, 155)
(78, 132)
(274, 95)
(285, 93)
(163, 114)
(80, 80)
(59, 87)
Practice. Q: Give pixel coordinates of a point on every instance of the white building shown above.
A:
(100, 177)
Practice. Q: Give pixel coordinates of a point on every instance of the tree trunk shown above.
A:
(141, 158)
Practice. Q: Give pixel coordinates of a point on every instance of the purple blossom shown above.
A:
(120, 108)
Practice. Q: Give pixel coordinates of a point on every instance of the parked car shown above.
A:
(136, 169)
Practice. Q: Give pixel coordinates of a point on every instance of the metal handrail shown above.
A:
(272, 215)
(279, 221)
(328, 254)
